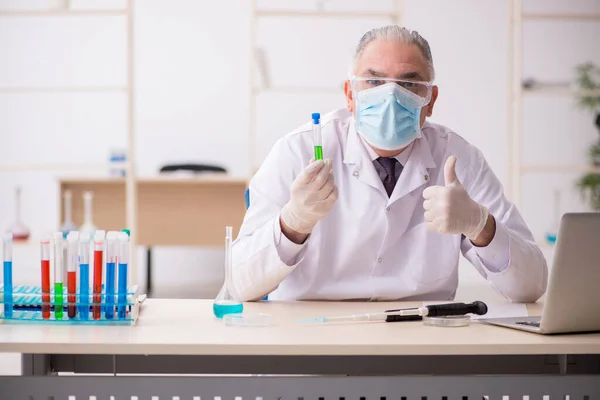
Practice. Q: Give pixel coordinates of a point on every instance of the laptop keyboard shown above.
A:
(529, 323)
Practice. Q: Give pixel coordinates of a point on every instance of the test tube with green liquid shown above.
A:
(317, 139)
(59, 268)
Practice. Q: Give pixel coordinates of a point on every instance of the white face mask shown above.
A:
(388, 116)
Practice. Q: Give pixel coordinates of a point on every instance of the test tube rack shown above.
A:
(28, 304)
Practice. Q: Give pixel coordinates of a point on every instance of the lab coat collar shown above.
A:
(402, 157)
(414, 174)
(416, 170)
(352, 151)
(356, 154)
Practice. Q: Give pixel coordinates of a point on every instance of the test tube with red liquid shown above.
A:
(72, 262)
(98, 267)
(45, 242)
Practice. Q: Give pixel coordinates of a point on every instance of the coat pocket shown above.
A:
(433, 256)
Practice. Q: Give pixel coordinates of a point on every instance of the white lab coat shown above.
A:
(372, 247)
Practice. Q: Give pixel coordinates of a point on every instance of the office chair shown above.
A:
(192, 167)
(247, 198)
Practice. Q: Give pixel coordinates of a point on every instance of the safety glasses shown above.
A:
(421, 89)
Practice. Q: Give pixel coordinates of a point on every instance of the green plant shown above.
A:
(594, 154)
(589, 185)
(588, 82)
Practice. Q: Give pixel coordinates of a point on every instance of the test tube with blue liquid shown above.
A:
(84, 275)
(7, 274)
(111, 260)
(317, 139)
(123, 259)
(225, 303)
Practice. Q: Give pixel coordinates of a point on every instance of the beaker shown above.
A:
(225, 303)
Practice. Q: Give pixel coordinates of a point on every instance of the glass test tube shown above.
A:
(7, 272)
(45, 250)
(59, 265)
(72, 264)
(84, 275)
(317, 139)
(111, 260)
(98, 268)
(123, 261)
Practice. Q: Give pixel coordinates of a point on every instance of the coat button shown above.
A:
(379, 260)
(355, 173)
(387, 208)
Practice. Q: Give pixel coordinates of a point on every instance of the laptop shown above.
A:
(572, 302)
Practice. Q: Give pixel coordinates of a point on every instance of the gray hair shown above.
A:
(395, 32)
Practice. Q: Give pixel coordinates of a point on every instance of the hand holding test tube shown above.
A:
(312, 196)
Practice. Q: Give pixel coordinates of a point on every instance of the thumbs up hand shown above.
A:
(449, 209)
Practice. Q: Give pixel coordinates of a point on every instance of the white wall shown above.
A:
(556, 130)
(471, 69)
(192, 91)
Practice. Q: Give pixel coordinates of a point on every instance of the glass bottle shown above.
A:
(68, 225)
(88, 224)
(18, 229)
(225, 303)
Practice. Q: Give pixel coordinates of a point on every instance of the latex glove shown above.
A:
(312, 196)
(449, 209)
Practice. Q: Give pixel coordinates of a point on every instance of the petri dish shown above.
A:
(247, 320)
(448, 321)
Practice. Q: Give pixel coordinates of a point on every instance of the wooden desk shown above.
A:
(177, 326)
(183, 337)
(171, 211)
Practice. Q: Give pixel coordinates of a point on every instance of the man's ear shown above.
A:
(434, 96)
(349, 96)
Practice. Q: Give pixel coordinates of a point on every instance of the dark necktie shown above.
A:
(389, 165)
